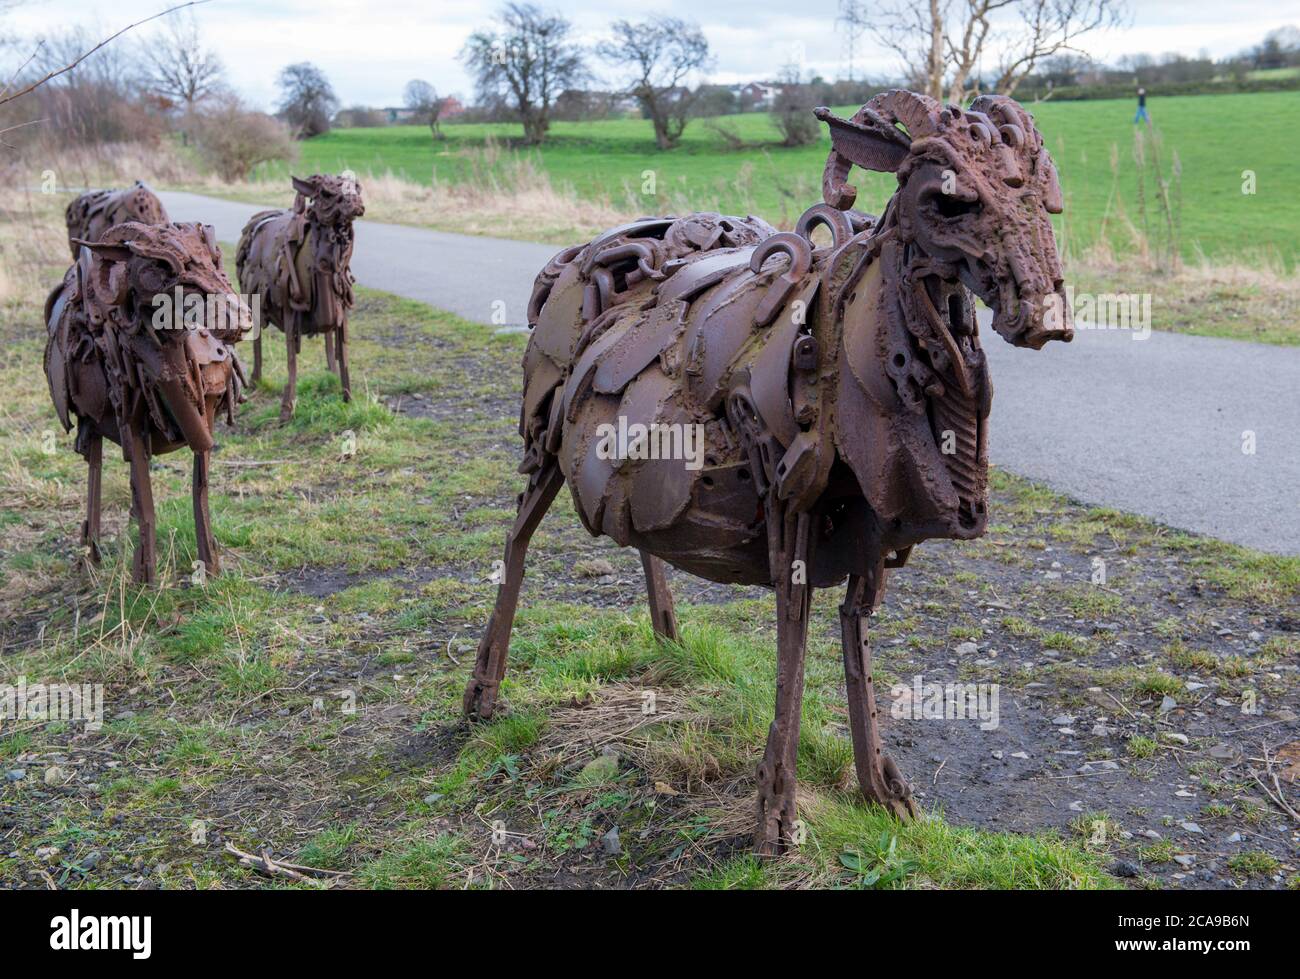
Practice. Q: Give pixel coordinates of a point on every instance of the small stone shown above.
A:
(1193, 685)
(1191, 827)
(1023, 755)
(1069, 731)
(593, 567)
(1076, 806)
(967, 649)
(1254, 636)
(1167, 704)
(1234, 838)
(15, 774)
(1052, 575)
(1150, 834)
(1184, 860)
(48, 854)
(600, 769)
(1125, 868)
(91, 860)
(1062, 720)
(997, 755)
(1102, 731)
(663, 788)
(610, 843)
(432, 797)
(1175, 737)
(54, 775)
(1098, 766)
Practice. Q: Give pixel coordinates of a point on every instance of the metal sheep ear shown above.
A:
(102, 267)
(866, 140)
(305, 190)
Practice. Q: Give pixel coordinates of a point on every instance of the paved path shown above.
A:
(1152, 426)
(465, 274)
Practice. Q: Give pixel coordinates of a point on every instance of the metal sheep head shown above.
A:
(135, 267)
(329, 199)
(976, 191)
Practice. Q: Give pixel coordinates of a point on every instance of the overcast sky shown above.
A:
(371, 48)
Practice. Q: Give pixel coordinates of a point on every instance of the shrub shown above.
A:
(233, 139)
(792, 113)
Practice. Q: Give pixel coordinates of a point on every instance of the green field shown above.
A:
(1214, 138)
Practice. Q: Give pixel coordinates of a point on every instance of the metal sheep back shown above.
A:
(94, 212)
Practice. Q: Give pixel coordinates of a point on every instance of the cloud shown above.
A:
(369, 50)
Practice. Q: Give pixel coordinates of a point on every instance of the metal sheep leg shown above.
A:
(878, 776)
(494, 648)
(790, 539)
(205, 542)
(662, 616)
(344, 376)
(94, 475)
(290, 396)
(144, 564)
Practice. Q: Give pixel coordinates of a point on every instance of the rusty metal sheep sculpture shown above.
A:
(95, 211)
(298, 262)
(140, 352)
(838, 395)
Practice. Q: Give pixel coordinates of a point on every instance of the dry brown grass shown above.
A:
(1253, 298)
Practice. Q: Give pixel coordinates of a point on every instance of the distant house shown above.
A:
(400, 115)
(406, 116)
(755, 95)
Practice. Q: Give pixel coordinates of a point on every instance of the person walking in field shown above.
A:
(1142, 108)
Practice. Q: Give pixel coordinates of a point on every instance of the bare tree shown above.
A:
(526, 63)
(792, 109)
(183, 70)
(307, 101)
(661, 54)
(99, 101)
(422, 98)
(948, 43)
(914, 31)
(7, 96)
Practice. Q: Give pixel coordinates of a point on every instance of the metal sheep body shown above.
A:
(140, 351)
(94, 212)
(839, 394)
(298, 262)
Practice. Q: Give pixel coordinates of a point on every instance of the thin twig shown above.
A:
(80, 58)
(266, 865)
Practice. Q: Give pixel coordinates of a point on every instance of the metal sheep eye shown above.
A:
(950, 206)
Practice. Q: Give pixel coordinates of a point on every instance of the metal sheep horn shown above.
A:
(866, 140)
(919, 113)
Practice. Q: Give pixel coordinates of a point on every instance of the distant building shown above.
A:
(399, 115)
(755, 95)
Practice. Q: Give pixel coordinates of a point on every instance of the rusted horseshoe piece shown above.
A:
(837, 221)
(800, 253)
